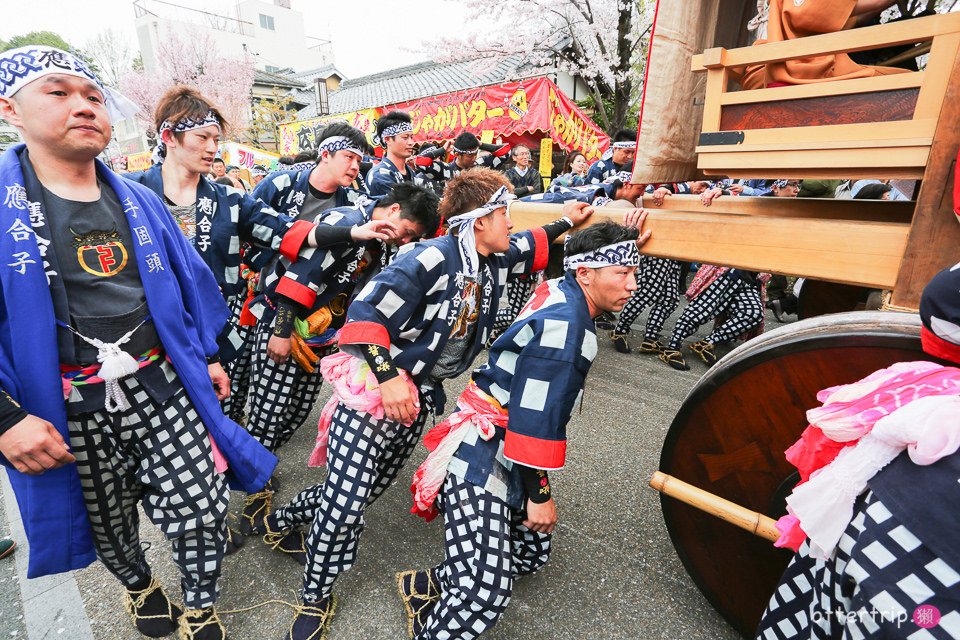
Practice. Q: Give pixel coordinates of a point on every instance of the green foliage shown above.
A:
(48, 38)
(589, 106)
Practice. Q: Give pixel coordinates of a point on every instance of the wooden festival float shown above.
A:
(724, 449)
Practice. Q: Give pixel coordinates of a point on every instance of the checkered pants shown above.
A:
(157, 455)
(239, 368)
(364, 456)
(733, 297)
(487, 546)
(282, 395)
(519, 291)
(870, 588)
(658, 281)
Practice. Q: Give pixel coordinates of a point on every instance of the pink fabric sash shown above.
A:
(477, 410)
(859, 429)
(357, 388)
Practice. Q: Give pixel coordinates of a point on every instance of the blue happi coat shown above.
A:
(385, 174)
(227, 216)
(321, 274)
(600, 171)
(593, 194)
(186, 308)
(536, 371)
(410, 307)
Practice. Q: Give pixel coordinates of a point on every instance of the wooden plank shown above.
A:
(789, 136)
(839, 87)
(819, 173)
(877, 107)
(934, 241)
(805, 247)
(817, 144)
(716, 85)
(822, 208)
(937, 74)
(848, 41)
(853, 159)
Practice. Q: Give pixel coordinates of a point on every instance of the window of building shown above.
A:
(271, 69)
(266, 22)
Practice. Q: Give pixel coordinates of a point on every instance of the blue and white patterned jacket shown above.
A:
(321, 274)
(600, 171)
(410, 307)
(594, 194)
(226, 217)
(536, 372)
(385, 174)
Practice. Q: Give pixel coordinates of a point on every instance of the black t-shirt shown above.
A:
(95, 251)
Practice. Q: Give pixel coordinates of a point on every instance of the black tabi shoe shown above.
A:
(620, 342)
(312, 621)
(705, 350)
(256, 508)
(151, 611)
(675, 359)
(420, 592)
(201, 624)
(607, 321)
(234, 542)
(652, 346)
(289, 542)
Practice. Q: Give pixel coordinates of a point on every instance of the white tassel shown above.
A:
(115, 364)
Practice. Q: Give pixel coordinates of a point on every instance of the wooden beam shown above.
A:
(847, 41)
(844, 251)
(934, 240)
(820, 89)
(822, 208)
(883, 159)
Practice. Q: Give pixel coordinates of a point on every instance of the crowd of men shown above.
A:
(165, 333)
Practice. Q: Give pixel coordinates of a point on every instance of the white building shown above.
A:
(272, 33)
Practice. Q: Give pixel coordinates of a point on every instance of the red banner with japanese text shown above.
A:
(508, 109)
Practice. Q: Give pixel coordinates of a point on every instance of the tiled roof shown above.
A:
(310, 75)
(275, 80)
(418, 81)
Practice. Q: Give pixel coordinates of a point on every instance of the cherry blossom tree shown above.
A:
(599, 41)
(192, 58)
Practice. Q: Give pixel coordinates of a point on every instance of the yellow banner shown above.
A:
(139, 161)
(546, 160)
(245, 156)
(302, 134)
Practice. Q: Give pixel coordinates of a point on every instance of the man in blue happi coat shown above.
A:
(490, 461)
(107, 319)
(395, 133)
(622, 149)
(465, 148)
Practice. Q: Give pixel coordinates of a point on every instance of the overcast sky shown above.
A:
(368, 35)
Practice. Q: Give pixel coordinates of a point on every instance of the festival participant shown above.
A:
(523, 176)
(109, 318)
(396, 135)
(257, 173)
(735, 294)
(218, 168)
(623, 148)
(490, 459)
(465, 148)
(303, 306)
(873, 520)
(616, 188)
(217, 219)
(421, 321)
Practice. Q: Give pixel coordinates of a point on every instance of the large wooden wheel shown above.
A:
(732, 429)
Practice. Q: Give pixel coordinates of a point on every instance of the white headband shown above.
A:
(186, 124)
(21, 66)
(625, 144)
(338, 143)
(395, 130)
(620, 254)
(465, 231)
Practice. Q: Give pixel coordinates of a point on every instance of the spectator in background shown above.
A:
(622, 150)
(258, 173)
(574, 171)
(875, 191)
(525, 179)
(234, 172)
(219, 168)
